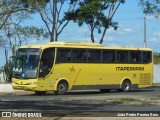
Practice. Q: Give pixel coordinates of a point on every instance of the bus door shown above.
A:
(45, 70)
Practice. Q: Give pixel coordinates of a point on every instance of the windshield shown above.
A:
(26, 63)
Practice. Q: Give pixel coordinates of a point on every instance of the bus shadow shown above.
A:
(111, 92)
(96, 92)
(142, 90)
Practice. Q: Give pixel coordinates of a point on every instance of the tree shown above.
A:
(12, 14)
(51, 14)
(97, 14)
(156, 58)
(10, 7)
(50, 11)
(150, 7)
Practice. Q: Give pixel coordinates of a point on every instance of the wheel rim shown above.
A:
(126, 86)
(62, 88)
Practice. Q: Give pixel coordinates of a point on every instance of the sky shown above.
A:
(130, 30)
(130, 20)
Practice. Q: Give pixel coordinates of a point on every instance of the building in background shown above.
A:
(1, 76)
(156, 77)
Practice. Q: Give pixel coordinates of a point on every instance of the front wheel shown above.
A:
(126, 86)
(61, 88)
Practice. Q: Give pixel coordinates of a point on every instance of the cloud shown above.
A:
(153, 17)
(124, 31)
(157, 34)
(112, 44)
(83, 30)
(108, 38)
(155, 39)
(127, 30)
(121, 30)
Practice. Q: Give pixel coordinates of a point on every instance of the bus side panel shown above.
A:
(90, 76)
(114, 74)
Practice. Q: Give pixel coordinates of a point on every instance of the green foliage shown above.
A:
(156, 58)
(8, 67)
(31, 31)
(150, 7)
(32, 3)
(94, 14)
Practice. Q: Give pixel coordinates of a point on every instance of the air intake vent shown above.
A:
(145, 79)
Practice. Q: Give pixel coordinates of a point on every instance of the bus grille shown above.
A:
(145, 78)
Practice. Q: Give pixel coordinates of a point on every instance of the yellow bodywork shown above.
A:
(87, 74)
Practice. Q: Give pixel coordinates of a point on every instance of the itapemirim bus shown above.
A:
(63, 66)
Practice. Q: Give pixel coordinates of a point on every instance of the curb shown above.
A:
(7, 88)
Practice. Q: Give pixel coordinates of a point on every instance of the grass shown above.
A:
(115, 102)
(129, 99)
(143, 103)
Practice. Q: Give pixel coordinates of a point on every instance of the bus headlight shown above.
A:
(32, 83)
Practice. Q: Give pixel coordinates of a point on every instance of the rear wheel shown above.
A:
(126, 86)
(40, 92)
(61, 88)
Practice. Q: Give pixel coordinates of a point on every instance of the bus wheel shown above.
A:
(126, 86)
(40, 92)
(105, 90)
(61, 88)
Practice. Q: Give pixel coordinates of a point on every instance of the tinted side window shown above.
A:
(63, 56)
(46, 62)
(122, 57)
(147, 57)
(108, 56)
(94, 56)
(135, 57)
(79, 55)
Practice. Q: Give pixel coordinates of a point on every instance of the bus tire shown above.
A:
(40, 92)
(105, 90)
(62, 87)
(126, 86)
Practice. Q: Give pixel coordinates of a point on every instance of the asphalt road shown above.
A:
(88, 101)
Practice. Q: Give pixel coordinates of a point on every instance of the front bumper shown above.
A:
(24, 87)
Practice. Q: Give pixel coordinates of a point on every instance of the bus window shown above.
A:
(94, 56)
(46, 62)
(135, 57)
(147, 57)
(64, 55)
(122, 57)
(79, 55)
(108, 56)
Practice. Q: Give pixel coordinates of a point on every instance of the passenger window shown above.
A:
(108, 56)
(122, 57)
(79, 55)
(63, 55)
(46, 62)
(147, 56)
(135, 57)
(94, 56)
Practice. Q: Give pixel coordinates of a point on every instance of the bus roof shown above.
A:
(80, 45)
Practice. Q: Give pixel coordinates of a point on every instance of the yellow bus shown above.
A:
(63, 66)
